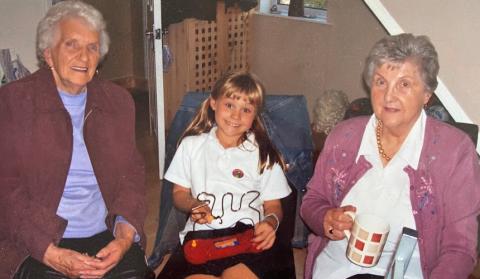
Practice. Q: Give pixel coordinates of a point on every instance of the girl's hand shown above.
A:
(183, 200)
(201, 214)
(264, 235)
(335, 222)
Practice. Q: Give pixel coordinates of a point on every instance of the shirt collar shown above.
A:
(249, 144)
(411, 148)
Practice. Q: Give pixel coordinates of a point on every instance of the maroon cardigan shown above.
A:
(35, 153)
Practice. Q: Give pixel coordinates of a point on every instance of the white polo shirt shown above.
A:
(228, 177)
(381, 191)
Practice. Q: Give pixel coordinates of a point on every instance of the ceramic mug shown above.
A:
(366, 239)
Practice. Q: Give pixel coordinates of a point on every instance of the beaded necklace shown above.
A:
(378, 131)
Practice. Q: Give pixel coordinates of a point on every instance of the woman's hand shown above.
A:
(109, 256)
(106, 259)
(264, 235)
(335, 222)
(66, 261)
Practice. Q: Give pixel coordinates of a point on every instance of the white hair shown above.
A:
(71, 8)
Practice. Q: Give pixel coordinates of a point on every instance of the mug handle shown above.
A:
(352, 215)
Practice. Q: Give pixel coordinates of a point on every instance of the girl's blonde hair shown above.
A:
(239, 83)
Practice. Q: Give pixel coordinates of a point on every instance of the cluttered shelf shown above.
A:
(11, 67)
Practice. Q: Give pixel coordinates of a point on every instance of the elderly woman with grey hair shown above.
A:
(72, 183)
(401, 165)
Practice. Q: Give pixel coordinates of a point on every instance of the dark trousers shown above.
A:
(132, 265)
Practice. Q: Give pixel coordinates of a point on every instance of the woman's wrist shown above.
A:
(272, 220)
(124, 233)
(50, 254)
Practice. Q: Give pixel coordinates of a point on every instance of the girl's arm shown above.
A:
(185, 202)
(265, 230)
(270, 209)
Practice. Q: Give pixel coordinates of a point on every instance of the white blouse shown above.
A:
(229, 176)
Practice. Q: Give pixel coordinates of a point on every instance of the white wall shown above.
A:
(18, 23)
(295, 56)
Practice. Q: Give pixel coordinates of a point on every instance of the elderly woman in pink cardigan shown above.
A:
(411, 170)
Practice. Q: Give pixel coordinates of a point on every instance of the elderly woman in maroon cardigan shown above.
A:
(72, 191)
(401, 165)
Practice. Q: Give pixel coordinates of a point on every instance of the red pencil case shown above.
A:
(202, 246)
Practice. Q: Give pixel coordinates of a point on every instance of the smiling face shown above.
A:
(74, 55)
(234, 116)
(398, 95)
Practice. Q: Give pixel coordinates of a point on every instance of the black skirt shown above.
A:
(266, 264)
(132, 265)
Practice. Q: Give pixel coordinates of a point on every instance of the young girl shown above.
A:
(226, 173)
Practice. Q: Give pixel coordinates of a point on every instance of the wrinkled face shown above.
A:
(234, 116)
(74, 55)
(398, 95)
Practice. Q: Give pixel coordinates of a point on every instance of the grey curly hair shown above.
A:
(400, 48)
(330, 108)
(71, 8)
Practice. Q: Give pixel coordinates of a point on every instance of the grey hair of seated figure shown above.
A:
(71, 8)
(401, 48)
(330, 108)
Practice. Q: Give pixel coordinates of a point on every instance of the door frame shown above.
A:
(155, 77)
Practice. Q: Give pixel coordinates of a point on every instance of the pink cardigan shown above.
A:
(445, 195)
